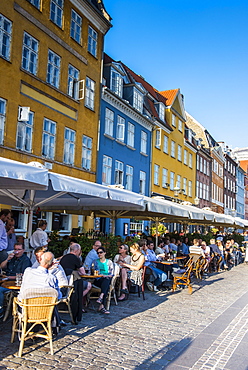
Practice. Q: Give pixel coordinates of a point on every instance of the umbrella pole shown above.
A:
(30, 214)
(156, 224)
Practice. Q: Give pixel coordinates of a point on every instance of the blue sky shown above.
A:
(199, 46)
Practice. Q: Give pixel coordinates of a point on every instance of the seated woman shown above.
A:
(136, 265)
(123, 256)
(106, 268)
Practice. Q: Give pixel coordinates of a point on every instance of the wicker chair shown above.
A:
(184, 278)
(67, 297)
(36, 308)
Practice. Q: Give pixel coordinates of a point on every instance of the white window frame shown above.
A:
(86, 152)
(53, 69)
(166, 144)
(56, 12)
(92, 41)
(161, 111)
(119, 172)
(69, 146)
(106, 170)
(173, 120)
(116, 82)
(180, 125)
(172, 180)
(5, 37)
(109, 122)
(190, 188)
(138, 100)
(90, 93)
(30, 50)
(178, 182)
(48, 138)
(76, 26)
(120, 129)
(173, 144)
(142, 183)
(164, 177)
(158, 138)
(190, 160)
(185, 157)
(130, 134)
(129, 177)
(143, 142)
(3, 105)
(179, 153)
(24, 134)
(185, 186)
(73, 82)
(156, 174)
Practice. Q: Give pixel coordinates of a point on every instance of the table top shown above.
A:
(91, 276)
(10, 284)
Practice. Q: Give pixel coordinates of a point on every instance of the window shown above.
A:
(185, 185)
(180, 125)
(76, 26)
(158, 138)
(116, 83)
(166, 140)
(29, 53)
(36, 3)
(24, 134)
(120, 128)
(156, 174)
(86, 153)
(161, 111)
(92, 41)
(197, 162)
(201, 164)
(179, 153)
(190, 188)
(165, 178)
(172, 148)
(129, 177)
(109, 122)
(53, 69)
(190, 160)
(185, 161)
(138, 100)
(172, 176)
(90, 93)
(73, 77)
(119, 172)
(2, 119)
(106, 170)
(205, 166)
(69, 146)
(142, 187)
(56, 11)
(173, 120)
(179, 181)
(5, 37)
(48, 138)
(130, 134)
(143, 146)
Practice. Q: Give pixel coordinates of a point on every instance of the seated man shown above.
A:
(159, 275)
(71, 264)
(196, 248)
(92, 255)
(16, 262)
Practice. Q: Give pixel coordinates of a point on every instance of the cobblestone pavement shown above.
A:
(176, 331)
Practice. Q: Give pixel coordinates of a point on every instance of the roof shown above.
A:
(169, 95)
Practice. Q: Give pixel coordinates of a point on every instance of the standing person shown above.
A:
(10, 228)
(92, 255)
(4, 217)
(39, 237)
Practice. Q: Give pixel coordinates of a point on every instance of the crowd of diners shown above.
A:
(42, 270)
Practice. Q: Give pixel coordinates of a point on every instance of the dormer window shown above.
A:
(116, 84)
(137, 100)
(161, 111)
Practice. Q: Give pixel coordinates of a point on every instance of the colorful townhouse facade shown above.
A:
(50, 60)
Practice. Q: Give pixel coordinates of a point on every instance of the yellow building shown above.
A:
(50, 62)
(174, 153)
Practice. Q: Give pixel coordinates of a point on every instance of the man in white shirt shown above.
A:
(39, 237)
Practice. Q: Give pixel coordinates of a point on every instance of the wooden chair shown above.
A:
(184, 278)
(36, 308)
(140, 288)
(66, 299)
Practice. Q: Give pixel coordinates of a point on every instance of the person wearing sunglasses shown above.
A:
(123, 256)
(106, 268)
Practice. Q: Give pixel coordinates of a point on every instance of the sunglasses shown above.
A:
(100, 252)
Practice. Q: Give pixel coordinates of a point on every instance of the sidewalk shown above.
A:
(174, 331)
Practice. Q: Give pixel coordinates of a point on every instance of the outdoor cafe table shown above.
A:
(10, 284)
(167, 263)
(85, 276)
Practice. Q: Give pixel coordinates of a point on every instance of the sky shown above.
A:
(199, 46)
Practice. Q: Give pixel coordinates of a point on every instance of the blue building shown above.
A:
(240, 195)
(125, 138)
